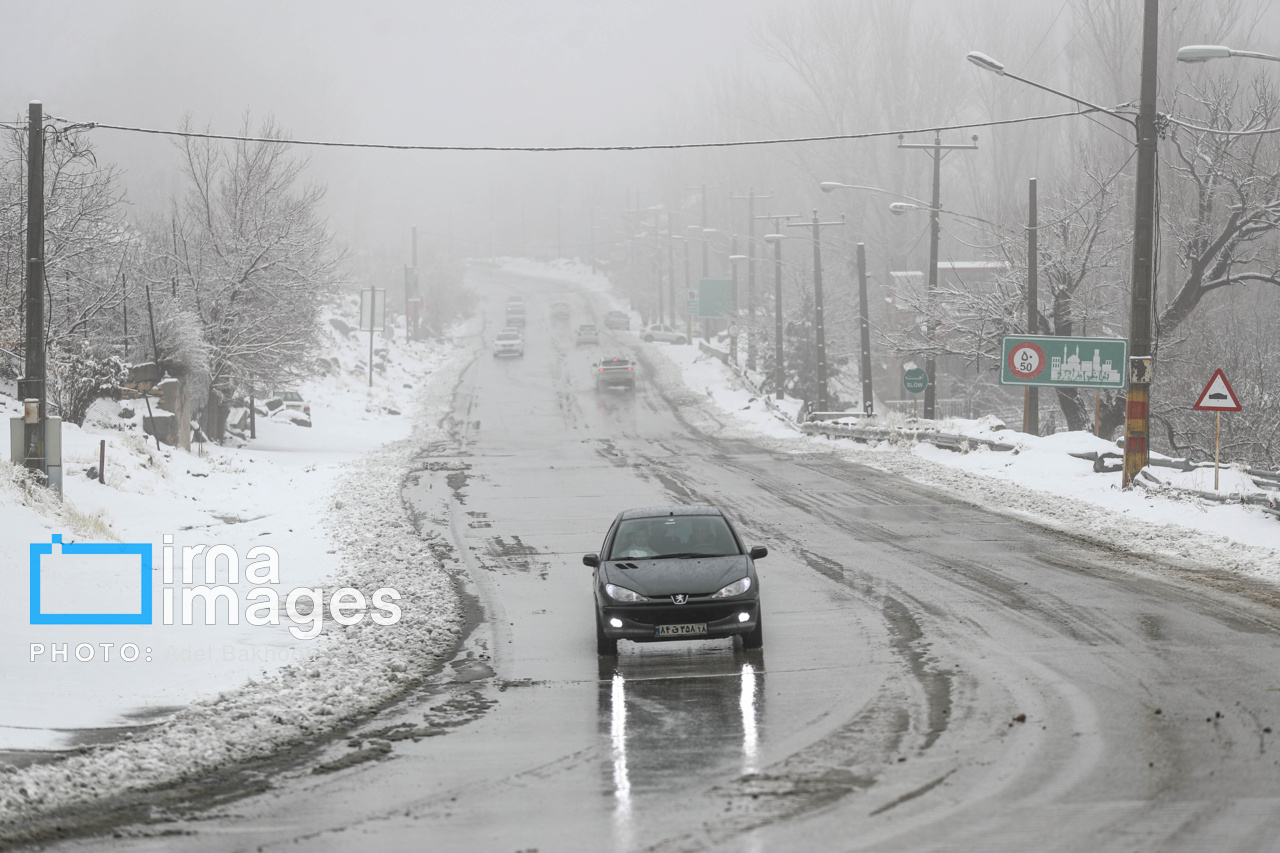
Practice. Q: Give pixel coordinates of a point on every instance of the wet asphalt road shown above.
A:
(934, 676)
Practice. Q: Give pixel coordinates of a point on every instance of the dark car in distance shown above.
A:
(617, 320)
(675, 573)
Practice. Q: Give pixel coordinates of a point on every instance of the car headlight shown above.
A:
(621, 593)
(738, 587)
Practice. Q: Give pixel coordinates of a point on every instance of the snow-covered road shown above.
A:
(934, 676)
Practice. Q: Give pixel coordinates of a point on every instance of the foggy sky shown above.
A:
(506, 72)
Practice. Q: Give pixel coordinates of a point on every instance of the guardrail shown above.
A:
(950, 441)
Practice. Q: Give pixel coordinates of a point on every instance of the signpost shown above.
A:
(715, 298)
(1049, 361)
(373, 317)
(914, 380)
(1217, 397)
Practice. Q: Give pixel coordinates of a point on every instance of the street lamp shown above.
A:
(1138, 398)
(1205, 52)
(986, 63)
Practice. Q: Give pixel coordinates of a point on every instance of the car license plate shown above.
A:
(692, 629)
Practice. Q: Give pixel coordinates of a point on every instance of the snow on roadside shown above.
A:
(371, 543)
(1040, 481)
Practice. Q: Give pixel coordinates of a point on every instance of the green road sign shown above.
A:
(1049, 361)
(715, 297)
(915, 380)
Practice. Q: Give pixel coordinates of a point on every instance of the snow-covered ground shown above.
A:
(1039, 480)
(326, 498)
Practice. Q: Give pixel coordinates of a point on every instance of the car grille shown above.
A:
(665, 614)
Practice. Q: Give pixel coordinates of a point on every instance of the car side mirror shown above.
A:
(592, 560)
(758, 551)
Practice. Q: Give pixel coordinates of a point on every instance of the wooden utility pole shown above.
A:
(32, 389)
(1138, 399)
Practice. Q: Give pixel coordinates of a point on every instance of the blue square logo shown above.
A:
(90, 584)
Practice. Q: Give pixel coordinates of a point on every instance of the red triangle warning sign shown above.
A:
(1217, 396)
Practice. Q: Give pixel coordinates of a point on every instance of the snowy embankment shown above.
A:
(1039, 480)
(326, 498)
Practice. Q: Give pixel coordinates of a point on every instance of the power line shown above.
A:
(92, 125)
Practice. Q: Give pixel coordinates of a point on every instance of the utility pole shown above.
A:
(751, 270)
(411, 299)
(819, 333)
(733, 274)
(32, 387)
(937, 150)
(1138, 399)
(864, 333)
(1031, 405)
(776, 238)
(671, 273)
(591, 243)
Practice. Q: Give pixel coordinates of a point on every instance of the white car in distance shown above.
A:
(510, 342)
(663, 332)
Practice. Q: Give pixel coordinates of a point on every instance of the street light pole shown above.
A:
(864, 333)
(1136, 413)
(930, 362)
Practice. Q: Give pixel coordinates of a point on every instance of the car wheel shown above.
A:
(605, 646)
(681, 340)
(648, 339)
(755, 639)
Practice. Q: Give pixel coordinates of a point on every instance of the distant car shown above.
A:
(289, 405)
(515, 314)
(587, 334)
(560, 310)
(615, 372)
(661, 332)
(510, 342)
(515, 300)
(675, 573)
(617, 320)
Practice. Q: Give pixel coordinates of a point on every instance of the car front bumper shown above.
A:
(640, 621)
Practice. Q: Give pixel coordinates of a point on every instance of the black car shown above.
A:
(675, 573)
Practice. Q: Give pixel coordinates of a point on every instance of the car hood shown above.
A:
(692, 575)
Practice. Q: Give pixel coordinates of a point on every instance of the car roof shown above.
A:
(659, 511)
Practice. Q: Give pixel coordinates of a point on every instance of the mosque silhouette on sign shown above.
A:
(1066, 368)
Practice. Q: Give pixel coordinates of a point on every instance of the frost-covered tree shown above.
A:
(248, 253)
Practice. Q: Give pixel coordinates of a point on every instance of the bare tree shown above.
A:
(248, 251)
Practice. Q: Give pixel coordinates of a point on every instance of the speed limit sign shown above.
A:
(1026, 360)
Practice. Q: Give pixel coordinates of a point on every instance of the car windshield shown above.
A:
(586, 330)
(508, 336)
(291, 397)
(671, 536)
